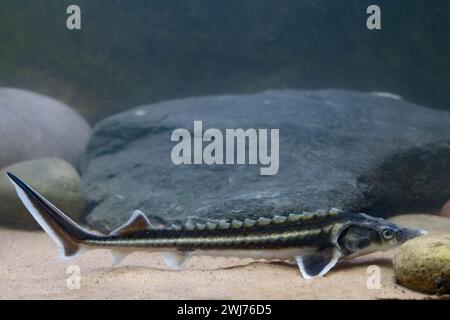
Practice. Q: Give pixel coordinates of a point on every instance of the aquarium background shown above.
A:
(89, 119)
(136, 52)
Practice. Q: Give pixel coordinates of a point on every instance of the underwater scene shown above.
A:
(224, 150)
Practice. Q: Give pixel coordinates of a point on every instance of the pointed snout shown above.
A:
(422, 232)
(408, 234)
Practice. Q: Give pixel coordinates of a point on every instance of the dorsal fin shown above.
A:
(137, 222)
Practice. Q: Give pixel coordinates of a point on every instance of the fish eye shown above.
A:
(388, 234)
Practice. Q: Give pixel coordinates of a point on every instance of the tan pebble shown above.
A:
(423, 264)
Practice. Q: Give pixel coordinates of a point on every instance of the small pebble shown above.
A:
(423, 264)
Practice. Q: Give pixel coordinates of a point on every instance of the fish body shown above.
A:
(316, 241)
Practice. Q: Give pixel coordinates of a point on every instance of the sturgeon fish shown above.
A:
(316, 241)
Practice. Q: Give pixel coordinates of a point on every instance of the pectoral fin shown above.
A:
(318, 263)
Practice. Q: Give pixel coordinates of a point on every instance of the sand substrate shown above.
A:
(30, 269)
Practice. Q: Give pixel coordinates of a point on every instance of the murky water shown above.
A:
(129, 53)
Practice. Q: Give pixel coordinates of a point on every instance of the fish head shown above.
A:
(369, 234)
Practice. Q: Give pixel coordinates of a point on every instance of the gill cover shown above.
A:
(356, 238)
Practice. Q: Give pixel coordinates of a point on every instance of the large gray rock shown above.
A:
(54, 178)
(34, 126)
(355, 151)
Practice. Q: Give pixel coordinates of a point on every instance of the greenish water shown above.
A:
(136, 52)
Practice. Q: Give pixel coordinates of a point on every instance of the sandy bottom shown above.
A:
(30, 269)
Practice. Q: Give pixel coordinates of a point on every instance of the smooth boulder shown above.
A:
(423, 264)
(34, 126)
(350, 150)
(54, 178)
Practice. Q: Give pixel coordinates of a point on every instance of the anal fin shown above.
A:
(318, 263)
(176, 260)
(117, 256)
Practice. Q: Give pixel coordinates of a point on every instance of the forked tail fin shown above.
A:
(67, 234)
